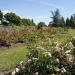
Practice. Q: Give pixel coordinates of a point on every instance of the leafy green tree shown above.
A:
(72, 21)
(32, 21)
(28, 22)
(13, 18)
(1, 15)
(41, 24)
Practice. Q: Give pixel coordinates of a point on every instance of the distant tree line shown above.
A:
(10, 19)
(58, 20)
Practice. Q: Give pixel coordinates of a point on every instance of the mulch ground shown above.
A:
(13, 45)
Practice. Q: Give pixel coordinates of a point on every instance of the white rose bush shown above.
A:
(60, 61)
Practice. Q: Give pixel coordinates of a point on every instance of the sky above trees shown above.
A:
(39, 10)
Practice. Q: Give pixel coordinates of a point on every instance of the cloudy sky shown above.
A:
(39, 10)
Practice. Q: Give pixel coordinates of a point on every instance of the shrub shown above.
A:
(43, 62)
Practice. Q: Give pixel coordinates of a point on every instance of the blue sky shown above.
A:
(39, 10)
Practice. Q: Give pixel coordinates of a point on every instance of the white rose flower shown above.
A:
(34, 58)
(13, 73)
(68, 51)
(71, 45)
(17, 69)
(53, 74)
(73, 37)
(57, 60)
(64, 70)
(36, 73)
(47, 54)
(57, 69)
(29, 60)
(21, 62)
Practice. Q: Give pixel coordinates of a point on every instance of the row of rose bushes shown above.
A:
(58, 61)
(13, 35)
(8, 36)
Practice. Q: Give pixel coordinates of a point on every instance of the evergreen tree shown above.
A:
(56, 18)
(67, 22)
(72, 21)
(62, 22)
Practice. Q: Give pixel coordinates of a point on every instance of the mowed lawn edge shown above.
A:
(11, 57)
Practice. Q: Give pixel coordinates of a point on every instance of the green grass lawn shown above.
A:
(9, 58)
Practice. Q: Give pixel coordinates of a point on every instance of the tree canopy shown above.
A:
(12, 18)
(57, 20)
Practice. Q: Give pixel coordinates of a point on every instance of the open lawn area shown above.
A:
(11, 57)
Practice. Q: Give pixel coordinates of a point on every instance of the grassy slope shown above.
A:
(9, 58)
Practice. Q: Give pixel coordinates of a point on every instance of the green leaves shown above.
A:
(12, 18)
(1, 15)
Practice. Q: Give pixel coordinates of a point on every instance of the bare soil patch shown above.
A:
(13, 45)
